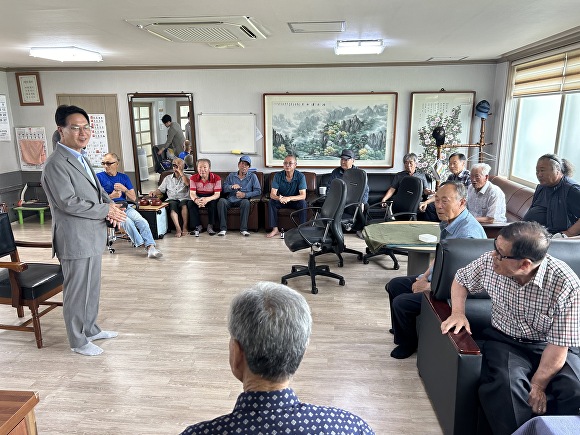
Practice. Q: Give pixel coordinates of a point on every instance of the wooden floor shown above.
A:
(169, 366)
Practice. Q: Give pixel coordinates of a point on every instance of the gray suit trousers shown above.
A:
(81, 291)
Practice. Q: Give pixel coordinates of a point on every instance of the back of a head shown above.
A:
(272, 323)
(529, 240)
(165, 119)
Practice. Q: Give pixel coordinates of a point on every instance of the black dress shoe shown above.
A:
(402, 352)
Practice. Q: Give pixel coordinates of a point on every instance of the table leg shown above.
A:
(41, 213)
(20, 218)
(418, 262)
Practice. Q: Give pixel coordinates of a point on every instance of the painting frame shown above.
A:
(326, 123)
(424, 104)
(29, 89)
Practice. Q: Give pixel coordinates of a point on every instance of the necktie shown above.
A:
(86, 166)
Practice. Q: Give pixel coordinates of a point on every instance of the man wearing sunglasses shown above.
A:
(531, 347)
(120, 189)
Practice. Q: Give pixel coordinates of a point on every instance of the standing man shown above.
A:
(79, 208)
(288, 191)
(240, 186)
(531, 348)
(410, 162)
(175, 138)
(405, 293)
(120, 189)
(485, 201)
(270, 327)
(457, 163)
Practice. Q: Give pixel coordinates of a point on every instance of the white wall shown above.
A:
(240, 91)
(9, 161)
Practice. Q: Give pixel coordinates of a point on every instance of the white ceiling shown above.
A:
(413, 30)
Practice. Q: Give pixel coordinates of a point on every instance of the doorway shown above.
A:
(145, 112)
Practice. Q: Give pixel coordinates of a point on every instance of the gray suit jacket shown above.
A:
(78, 207)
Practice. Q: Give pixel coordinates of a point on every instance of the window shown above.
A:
(546, 104)
(183, 111)
(143, 130)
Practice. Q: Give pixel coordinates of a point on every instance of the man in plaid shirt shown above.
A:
(532, 347)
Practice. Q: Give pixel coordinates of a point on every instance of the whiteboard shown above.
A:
(222, 133)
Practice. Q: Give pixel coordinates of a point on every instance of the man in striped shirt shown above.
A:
(532, 346)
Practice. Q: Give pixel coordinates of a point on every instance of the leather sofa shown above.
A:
(518, 199)
(450, 364)
(233, 218)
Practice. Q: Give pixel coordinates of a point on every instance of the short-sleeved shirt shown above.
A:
(400, 175)
(280, 411)
(108, 183)
(291, 188)
(546, 308)
(174, 187)
(488, 202)
(464, 226)
(208, 187)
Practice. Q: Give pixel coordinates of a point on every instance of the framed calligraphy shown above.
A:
(29, 90)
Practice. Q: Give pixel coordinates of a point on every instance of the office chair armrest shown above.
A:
(405, 213)
(15, 266)
(24, 244)
(315, 211)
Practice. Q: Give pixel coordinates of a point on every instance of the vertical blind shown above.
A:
(552, 74)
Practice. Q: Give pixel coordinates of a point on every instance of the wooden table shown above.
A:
(404, 236)
(17, 412)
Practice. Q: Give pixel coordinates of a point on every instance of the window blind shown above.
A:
(553, 74)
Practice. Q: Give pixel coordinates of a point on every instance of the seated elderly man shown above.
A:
(405, 293)
(556, 203)
(410, 162)
(120, 189)
(240, 186)
(531, 348)
(485, 201)
(457, 163)
(269, 327)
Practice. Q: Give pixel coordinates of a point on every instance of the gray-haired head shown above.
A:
(529, 240)
(410, 157)
(558, 164)
(460, 189)
(483, 167)
(272, 323)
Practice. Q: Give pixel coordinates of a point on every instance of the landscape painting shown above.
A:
(317, 127)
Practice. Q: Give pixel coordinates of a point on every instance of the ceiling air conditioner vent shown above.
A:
(208, 30)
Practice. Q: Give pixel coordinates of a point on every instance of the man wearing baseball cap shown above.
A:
(347, 158)
(240, 186)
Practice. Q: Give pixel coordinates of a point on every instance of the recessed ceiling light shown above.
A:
(359, 46)
(66, 54)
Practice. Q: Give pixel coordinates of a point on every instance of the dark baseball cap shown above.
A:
(346, 153)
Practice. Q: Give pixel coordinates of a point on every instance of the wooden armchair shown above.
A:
(26, 284)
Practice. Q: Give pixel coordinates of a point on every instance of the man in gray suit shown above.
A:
(175, 138)
(80, 208)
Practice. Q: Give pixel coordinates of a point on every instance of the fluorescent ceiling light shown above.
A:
(359, 46)
(66, 54)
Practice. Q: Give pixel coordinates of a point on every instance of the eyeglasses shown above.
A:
(289, 163)
(108, 163)
(175, 166)
(503, 257)
(77, 128)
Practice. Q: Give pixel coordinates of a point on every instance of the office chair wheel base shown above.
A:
(111, 250)
(340, 264)
(314, 290)
(396, 267)
(341, 282)
(365, 261)
(284, 281)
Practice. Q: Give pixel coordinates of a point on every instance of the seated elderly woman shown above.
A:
(556, 202)
(176, 187)
(270, 327)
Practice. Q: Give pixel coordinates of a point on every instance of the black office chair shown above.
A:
(353, 217)
(403, 205)
(322, 234)
(26, 284)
